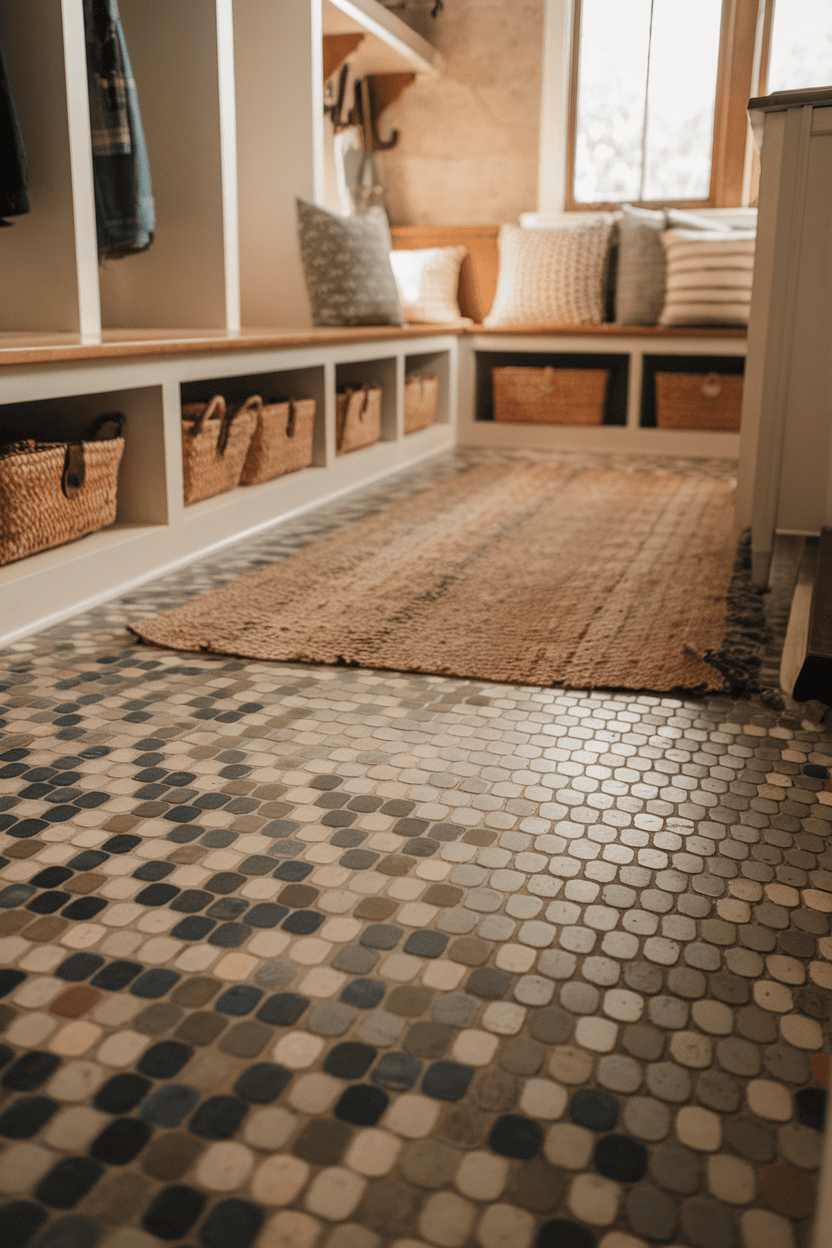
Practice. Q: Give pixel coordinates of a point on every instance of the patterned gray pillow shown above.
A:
(346, 262)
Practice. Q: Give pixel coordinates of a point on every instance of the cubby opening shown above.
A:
(435, 363)
(187, 277)
(615, 403)
(277, 386)
(692, 365)
(48, 257)
(381, 373)
(142, 493)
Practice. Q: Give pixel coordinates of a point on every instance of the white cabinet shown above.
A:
(785, 480)
(231, 95)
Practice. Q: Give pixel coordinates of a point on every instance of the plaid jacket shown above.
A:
(125, 214)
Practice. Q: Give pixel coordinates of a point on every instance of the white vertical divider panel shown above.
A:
(635, 382)
(279, 86)
(228, 150)
(329, 411)
(80, 159)
(39, 261)
(180, 280)
(400, 375)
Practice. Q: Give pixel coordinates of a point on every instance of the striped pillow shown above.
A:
(709, 276)
(551, 277)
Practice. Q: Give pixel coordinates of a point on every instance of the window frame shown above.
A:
(743, 56)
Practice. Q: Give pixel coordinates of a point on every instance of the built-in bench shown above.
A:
(53, 384)
(632, 353)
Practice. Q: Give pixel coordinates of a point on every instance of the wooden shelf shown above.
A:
(389, 45)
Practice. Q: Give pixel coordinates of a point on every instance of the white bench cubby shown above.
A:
(154, 531)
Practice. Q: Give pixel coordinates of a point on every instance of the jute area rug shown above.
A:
(514, 574)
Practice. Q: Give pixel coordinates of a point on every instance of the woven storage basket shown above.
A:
(55, 492)
(421, 395)
(550, 396)
(282, 438)
(691, 401)
(214, 447)
(357, 418)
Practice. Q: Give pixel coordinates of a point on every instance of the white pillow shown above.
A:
(427, 279)
(564, 220)
(551, 276)
(709, 276)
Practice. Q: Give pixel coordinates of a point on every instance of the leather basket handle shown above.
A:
(217, 404)
(711, 386)
(74, 471)
(252, 404)
(117, 419)
(290, 419)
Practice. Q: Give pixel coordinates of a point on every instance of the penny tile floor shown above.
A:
(298, 956)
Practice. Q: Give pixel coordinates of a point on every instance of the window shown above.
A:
(659, 91)
(800, 52)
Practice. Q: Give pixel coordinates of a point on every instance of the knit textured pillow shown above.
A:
(428, 279)
(346, 263)
(709, 276)
(551, 277)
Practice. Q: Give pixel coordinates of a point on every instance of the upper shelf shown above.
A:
(389, 45)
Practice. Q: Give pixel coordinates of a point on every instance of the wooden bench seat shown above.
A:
(478, 283)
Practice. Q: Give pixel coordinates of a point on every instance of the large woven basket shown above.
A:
(55, 492)
(214, 447)
(691, 401)
(357, 418)
(550, 396)
(282, 438)
(421, 395)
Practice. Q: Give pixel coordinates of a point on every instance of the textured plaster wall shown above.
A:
(467, 152)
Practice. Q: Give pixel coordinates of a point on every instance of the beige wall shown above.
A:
(467, 152)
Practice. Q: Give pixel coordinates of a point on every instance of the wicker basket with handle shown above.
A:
(214, 447)
(421, 395)
(282, 438)
(691, 401)
(357, 418)
(55, 492)
(550, 396)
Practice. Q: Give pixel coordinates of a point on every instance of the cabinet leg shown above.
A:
(760, 567)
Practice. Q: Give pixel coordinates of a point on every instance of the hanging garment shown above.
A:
(348, 154)
(14, 168)
(370, 191)
(124, 209)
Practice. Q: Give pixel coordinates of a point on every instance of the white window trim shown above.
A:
(554, 105)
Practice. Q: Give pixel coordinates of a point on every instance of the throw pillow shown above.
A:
(428, 279)
(346, 263)
(679, 219)
(709, 276)
(551, 277)
(639, 292)
(639, 287)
